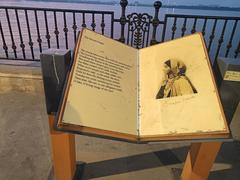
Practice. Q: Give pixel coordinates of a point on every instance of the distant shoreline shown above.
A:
(138, 4)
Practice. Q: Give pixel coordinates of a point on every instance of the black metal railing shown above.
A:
(219, 32)
(26, 32)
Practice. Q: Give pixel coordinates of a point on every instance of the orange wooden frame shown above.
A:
(63, 153)
(200, 159)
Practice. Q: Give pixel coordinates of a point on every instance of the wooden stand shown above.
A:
(198, 164)
(200, 159)
(63, 153)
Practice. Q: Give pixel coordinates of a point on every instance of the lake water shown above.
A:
(115, 8)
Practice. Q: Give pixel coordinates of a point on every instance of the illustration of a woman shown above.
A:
(175, 82)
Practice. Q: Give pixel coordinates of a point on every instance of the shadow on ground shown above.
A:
(229, 157)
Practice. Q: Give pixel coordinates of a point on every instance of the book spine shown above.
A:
(138, 96)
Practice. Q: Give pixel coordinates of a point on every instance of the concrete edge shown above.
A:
(20, 76)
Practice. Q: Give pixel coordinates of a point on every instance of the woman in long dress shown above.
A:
(175, 83)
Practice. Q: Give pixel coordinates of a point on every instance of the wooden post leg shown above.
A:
(63, 153)
(200, 159)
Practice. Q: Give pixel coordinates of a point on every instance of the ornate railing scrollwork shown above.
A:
(138, 29)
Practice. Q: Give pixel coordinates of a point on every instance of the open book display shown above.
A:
(163, 92)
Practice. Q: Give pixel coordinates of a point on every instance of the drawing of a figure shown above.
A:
(175, 82)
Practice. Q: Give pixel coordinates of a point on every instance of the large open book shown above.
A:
(163, 92)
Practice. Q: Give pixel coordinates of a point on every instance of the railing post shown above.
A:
(155, 22)
(123, 19)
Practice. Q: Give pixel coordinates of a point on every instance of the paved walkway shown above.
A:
(25, 150)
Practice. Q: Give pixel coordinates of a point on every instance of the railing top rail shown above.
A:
(203, 17)
(56, 10)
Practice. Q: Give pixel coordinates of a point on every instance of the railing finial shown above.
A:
(157, 4)
(124, 3)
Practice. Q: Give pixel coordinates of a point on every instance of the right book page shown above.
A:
(177, 93)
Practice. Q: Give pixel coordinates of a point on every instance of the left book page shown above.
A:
(101, 91)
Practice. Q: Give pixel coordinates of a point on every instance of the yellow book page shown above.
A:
(102, 92)
(177, 93)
